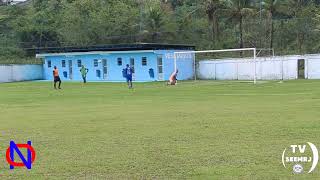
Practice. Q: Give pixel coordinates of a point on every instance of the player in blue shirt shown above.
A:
(129, 72)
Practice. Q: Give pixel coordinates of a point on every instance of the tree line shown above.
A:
(288, 26)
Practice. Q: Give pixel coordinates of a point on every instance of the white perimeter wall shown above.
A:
(12, 73)
(271, 68)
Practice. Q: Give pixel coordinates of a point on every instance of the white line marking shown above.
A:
(271, 94)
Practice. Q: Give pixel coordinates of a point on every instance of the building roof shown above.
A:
(70, 54)
(118, 47)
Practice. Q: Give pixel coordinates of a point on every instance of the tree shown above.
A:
(238, 10)
(84, 23)
(160, 22)
(271, 7)
(303, 13)
(212, 10)
(38, 26)
(155, 20)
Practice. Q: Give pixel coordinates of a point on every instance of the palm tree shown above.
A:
(239, 9)
(155, 21)
(212, 9)
(271, 7)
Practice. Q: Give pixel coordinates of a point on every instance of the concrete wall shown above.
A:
(271, 68)
(12, 73)
(114, 71)
(185, 64)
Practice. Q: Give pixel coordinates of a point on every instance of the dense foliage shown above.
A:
(288, 26)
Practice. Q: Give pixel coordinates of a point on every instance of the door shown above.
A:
(132, 66)
(301, 69)
(70, 69)
(160, 67)
(105, 68)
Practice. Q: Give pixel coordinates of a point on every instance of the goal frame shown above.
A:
(254, 50)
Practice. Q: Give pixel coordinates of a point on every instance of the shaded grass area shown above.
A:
(196, 130)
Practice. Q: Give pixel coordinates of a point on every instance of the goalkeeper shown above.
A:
(173, 78)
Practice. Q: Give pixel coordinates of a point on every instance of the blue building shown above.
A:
(151, 62)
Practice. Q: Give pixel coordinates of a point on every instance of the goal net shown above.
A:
(225, 64)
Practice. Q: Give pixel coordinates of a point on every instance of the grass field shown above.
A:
(196, 130)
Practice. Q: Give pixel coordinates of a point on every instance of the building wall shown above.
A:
(13, 73)
(114, 71)
(275, 68)
(313, 67)
(185, 64)
(142, 72)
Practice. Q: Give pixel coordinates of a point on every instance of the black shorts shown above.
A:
(57, 79)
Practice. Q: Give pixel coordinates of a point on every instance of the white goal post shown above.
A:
(254, 52)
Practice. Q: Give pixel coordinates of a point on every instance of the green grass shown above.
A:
(202, 130)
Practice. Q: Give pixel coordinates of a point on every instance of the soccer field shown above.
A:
(195, 130)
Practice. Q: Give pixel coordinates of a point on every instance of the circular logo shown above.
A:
(300, 156)
(298, 169)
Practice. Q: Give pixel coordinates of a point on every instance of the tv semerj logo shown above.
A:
(27, 162)
(301, 158)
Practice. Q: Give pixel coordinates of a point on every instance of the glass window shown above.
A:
(96, 62)
(65, 74)
(63, 63)
(132, 64)
(119, 61)
(144, 61)
(79, 63)
(49, 64)
(105, 66)
(160, 64)
(159, 60)
(98, 73)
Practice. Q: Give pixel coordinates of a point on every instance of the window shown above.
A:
(119, 61)
(70, 69)
(63, 63)
(98, 73)
(159, 58)
(132, 64)
(79, 63)
(144, 61)
(105, 68)
(65, 74)
(49, 64)
(160, 64)
(96, 62)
